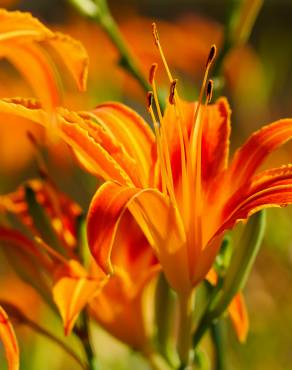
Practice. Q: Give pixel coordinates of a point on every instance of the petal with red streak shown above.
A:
(9, 341)
(239, 317)
(73, 290)
(73, 130)
(157, 218)
(251, 155)
(271, 188)
(132, 132)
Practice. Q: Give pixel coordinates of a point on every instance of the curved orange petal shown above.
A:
(271, 188)
(132, 252)
(158, 219)
(74, 56)
(73, 290)
(20, 26)
(9, 341)
(251, 155)
(37, 68)
(133, 132)
(22, 38)
(105, 212)
(239, 317)
(73, 129)
(97, 130)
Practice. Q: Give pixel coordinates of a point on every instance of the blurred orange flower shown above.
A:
(115, 301)
(44, 247)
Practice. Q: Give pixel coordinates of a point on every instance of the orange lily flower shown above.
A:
(170, 181)
(23, 40)
(72, 285)
(8, 338)
(113, 301)
(104, 155)
(162, 177)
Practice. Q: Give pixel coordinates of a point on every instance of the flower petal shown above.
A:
(30, 58)
(22, 41)
(72, 129)
(157, 218)
(133, 132)
(74, 57)
(239, 317)
(9, 341)
(271, 188)
(73, 290)
(251, 155)
(15, 25)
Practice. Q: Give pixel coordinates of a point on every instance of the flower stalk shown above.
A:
(186, 306)
(82, 331)
(99, 12)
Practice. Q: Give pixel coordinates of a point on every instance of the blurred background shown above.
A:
(258, 84)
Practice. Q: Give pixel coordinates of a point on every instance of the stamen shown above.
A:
(158, 141)
(174, 100)
(172, 92)
(149, 100)
(209, 91)
(164, 148)
(212, 55)
(152, 73)
(210, 60)
(50, 250)
(157, 43)
(155, 33)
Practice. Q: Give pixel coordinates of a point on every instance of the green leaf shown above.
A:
(41, 221)
(241, 263)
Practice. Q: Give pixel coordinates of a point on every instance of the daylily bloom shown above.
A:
(177, 183)
(23, 40)
(44, 212)
(113, 302)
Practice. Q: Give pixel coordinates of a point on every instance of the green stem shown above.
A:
(218, 338)
(165, 304)
(83, 333)
(186, 303)
(201, 330)
(236, 32)
(100, 13)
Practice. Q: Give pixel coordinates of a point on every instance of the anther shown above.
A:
(152, 73)
(172, 91)
(212, 55)
(149, 100)
(155, 33)
(32, 138)
(209, 91)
